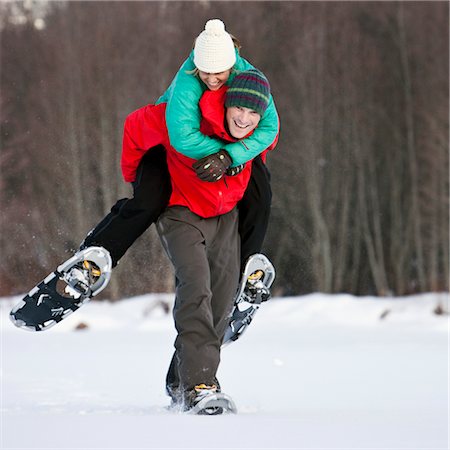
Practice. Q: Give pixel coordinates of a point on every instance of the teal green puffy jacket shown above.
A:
(183, 118)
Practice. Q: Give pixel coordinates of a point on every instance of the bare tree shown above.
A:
(360, 176)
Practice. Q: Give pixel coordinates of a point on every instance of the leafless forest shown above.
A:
(360, 176)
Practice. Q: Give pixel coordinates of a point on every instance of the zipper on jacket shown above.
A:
(220, 206)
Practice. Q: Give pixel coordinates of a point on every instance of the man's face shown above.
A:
(214, 81)
(241, 120)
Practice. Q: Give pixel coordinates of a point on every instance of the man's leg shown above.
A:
(185, 236)
(224, 261)
(173, 379)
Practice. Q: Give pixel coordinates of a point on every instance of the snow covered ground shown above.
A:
(312, 372)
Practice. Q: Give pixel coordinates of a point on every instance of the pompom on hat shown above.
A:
(214, 48)
(249, 89)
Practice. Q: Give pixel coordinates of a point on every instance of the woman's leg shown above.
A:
(129, 218)
(254, 211)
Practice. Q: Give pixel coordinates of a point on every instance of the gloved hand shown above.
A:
(232, 171)
(212, 168)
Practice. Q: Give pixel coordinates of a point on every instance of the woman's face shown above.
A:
(214, 81)
(241, 120)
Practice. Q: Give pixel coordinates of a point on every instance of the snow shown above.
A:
(311, 372)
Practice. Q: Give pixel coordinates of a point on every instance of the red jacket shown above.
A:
(146, 128)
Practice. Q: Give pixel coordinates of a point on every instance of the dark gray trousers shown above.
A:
(205, 255)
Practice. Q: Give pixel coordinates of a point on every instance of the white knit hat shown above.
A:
(214, 49)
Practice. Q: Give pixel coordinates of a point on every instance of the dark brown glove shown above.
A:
(212, 168)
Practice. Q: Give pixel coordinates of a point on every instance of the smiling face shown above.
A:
(241, 120)
(214, 81)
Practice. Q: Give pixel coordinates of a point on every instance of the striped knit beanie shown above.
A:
(250, 89)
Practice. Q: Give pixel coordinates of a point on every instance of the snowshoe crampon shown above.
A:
(61, 293)
(254, 289)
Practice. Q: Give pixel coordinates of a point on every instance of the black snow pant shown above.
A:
(205, 256)
(254, 211)
(130, 217)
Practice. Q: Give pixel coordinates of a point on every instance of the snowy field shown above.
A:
(312, 372)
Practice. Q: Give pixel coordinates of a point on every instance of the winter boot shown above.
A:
(199, 393)
(176, 395)
(81, 278)
(255, 289)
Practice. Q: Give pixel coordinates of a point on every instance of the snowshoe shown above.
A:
(254, 289)
(63, 291)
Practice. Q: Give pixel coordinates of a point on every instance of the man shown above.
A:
(199, 229)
